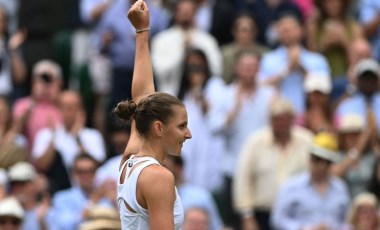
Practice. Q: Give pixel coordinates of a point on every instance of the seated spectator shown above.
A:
(244, 32)
(318, 116)
(357, 154)
(23, 186)
(40, 109)
(314, 199)
(267, 159)
(169, 48)
(12, 143)
(70, 207)
(286, 67)
(56, 147)
(364, 212)
(101, 218)
(191, 195)
(196, 219)
(366, 101)
(331, 32)
(11, 214)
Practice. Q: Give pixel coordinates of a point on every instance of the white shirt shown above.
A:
(65, 143)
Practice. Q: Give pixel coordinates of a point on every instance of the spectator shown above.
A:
(23, 186)
(268, 158)
(169, 48)
(357, 154)
(12, 143)
(244, 32)
(40, 109)
(242, 100)
(287, 66)
(331, 32)
(200, 92)
(118, 44)
(193, 196)
(314, 199)
(11, 214)
(55, 148)
(318, 116)
(366, 101)
(70, 207)
(369, 11)
(196, 219)
(363, 213)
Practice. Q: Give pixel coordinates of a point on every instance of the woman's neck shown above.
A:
(152, 150)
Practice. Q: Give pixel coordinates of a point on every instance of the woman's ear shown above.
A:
(158, 128)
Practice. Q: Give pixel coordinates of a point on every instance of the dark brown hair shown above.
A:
(158, 106)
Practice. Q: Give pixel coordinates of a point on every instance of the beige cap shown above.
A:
(367, 65)
(317, 82)
(351, 123)
(11, 207)
(281, 106)
(22, 171)
(325, 146)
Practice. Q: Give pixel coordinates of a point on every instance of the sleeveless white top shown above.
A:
(127, 194)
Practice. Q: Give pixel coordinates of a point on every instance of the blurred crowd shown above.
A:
(282, 97)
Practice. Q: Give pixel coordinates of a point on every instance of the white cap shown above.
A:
(351, 123)
(11, 207)
(317, 82)
(22, 171)
(3, 177)
(367, 65)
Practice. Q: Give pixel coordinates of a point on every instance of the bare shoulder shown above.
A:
(156, 174)
(157, 182)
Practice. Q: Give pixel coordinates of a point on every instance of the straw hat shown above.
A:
(101, 218)
(22, 171)
(351, 123)
(317, 82)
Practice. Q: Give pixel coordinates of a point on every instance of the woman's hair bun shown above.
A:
(125, 110)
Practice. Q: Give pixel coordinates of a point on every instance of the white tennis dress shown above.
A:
(127, 194)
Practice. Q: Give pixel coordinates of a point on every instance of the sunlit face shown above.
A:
(43, 90)
(176, 131)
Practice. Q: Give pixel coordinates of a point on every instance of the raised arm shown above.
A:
(142, 84)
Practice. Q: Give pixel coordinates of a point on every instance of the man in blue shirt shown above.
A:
(314, 199)
(370, 19)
